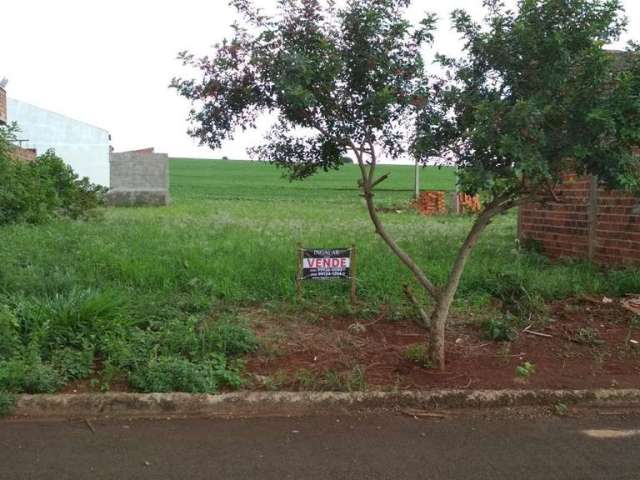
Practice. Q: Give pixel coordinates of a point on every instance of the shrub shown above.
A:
(73, 364)
(525, 370)
(231, 338)
(180, 355)
(9, 340)
(417, 353)
(175, 374)
(73, 197)
(34, 192)
(517, 298)
(28, 374)
(500, 330)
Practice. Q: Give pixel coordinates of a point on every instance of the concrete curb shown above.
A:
(301, 403)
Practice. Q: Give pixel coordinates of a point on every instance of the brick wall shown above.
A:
(3, 106)
(584, 221)
(24, 154)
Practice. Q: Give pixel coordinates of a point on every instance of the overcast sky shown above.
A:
(109, 63)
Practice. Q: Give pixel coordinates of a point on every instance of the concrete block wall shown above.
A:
(139, 178)
(584, 221)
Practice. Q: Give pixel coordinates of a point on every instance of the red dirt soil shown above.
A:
(567, 360)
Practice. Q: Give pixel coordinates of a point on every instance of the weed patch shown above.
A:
(417, 353)
(7, 402)
(149, 293)
(332, 380)
(28, 374)
(500, 329)
(50, 341)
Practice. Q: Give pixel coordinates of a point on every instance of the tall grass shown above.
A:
(228, 240)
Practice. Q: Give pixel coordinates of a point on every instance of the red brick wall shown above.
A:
(3, 106)
(24, 154)
(586, 221)
(617, 232)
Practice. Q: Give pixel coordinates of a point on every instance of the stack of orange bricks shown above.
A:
(431, 203)
(469, 203)
(434, 203)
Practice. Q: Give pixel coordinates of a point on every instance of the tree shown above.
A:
(352, 80)
(535, 96)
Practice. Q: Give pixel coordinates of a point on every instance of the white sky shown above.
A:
(109, 63)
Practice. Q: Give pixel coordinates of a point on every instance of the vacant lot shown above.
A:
(226, 247)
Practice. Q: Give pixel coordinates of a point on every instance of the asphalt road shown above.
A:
(365, 447)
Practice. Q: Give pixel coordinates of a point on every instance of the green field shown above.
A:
(228, 241)
(239, 180)
(230, 236)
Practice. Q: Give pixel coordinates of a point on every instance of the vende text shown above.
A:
(327, 262)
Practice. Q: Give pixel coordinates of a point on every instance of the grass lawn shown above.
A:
(227, 242)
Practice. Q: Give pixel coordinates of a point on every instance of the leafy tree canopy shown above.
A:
(336, 79)
(536, 95)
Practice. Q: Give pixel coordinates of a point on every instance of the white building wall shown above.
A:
(82, 146)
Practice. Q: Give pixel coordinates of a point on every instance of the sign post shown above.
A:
(326, 264)
(298, 272)
(353, 274)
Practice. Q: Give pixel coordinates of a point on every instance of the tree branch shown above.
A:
(380, 230)
(424, 318)
(497, 207)
(380, 180)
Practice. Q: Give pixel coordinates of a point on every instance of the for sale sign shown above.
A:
(324, 264)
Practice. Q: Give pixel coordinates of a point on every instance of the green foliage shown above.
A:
(560, 409)
(7, 402)
(525, 370)
(73, 364)
(9, 338)
(276, 381)
(175, 374)
(227, 243)
(332, 381)
(182, 355)
(588, 336)
(350, 381)
(48, 341)
(516, 297)
(500, 330)
(72, 197)
(417, 353)
(35, 192)
(28, 374)
(307, 379)
(536, 95)
(349, 74)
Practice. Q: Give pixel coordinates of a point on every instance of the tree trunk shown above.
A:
(443, 297)
(446, 295)
(438, 335)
